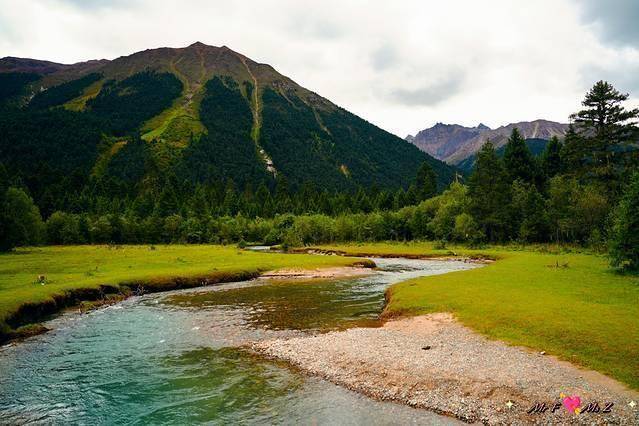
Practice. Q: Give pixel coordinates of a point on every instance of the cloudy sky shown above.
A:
(403, 65)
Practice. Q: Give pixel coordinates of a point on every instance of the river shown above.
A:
(177, 357)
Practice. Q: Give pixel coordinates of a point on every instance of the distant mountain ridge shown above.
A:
(443, 140)
(454, 143)
(37, 66)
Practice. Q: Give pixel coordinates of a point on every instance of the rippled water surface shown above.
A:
(176, 357)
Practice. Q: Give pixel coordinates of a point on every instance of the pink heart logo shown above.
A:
(572, 403)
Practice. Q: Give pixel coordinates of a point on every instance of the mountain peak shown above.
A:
(482, 126)
(198, 45)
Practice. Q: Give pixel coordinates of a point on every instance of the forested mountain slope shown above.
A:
(199, 115)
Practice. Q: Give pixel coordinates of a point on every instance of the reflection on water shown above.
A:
(172, 358)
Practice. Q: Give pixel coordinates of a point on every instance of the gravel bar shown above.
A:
(435, 363)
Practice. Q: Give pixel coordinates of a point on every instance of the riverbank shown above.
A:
(356, 270)
(566, 303)
(434, 362)
(38, 282)
(394, 251)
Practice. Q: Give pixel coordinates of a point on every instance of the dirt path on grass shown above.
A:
(434, 362)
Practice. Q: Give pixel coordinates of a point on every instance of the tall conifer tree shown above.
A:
(605, 127)
(426, 182)
(518, 159)
(489, 191)
(551, 162)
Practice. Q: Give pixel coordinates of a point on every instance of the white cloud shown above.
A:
(402, 65)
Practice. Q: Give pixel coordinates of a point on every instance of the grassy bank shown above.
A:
(580, 311)
(76, 273)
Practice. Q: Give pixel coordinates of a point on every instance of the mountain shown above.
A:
(443, 140)
(453, 143)
(199, 115)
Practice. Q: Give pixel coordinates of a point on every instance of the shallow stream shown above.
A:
(176, 358)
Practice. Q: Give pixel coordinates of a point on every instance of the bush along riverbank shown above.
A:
(38, 282)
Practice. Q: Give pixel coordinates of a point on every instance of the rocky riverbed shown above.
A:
(434, 362)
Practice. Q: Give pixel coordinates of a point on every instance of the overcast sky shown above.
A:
(403, 65)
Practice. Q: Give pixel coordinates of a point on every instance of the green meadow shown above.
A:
(568, 304)
(69, 268)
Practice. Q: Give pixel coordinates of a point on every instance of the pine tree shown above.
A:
(426, 182)
(605, 115)
(605, 128)
(489, 191)
(412, 196)
(518, 160)
(551, 161)
(572, 152)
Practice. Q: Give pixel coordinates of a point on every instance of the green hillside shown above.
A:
(199, 115)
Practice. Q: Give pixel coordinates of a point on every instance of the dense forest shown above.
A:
(226, 152)
(583, 189)
(13, 86)
(123, 106)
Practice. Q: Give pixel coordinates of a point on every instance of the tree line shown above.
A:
(209, 213)
(583, 189)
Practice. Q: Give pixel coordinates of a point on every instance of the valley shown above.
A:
(189, 236)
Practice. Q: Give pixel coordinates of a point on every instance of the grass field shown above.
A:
(80, 267)
(583, 312)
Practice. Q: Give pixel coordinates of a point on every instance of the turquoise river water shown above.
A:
(177, 358)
